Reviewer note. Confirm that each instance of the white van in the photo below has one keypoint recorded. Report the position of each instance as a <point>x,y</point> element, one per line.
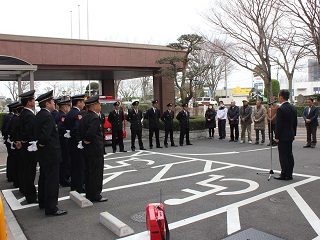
<point>206,101</point>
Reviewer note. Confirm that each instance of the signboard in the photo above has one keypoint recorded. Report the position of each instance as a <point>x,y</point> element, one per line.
<point>241,91</point>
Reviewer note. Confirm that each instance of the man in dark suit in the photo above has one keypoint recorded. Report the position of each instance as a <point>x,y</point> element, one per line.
<point>167,118</point>
<point>116,118</point>
<point>76,157</point>
<point>183,117</point>
<point>14,135</point>
<point>286,127</point>
<point>60,119</point>
<point>49,155</point>
<point>92,141</point>
<point>135,119</point>
<point>310,116</point>
<point>153,114</point>
<point>56,104</point>
<point>6,128</point>
<point>233,117</point>
<point>26,135</point>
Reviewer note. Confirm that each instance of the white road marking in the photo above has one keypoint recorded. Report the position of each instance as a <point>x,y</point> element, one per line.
<point>224,209</point>
<point>162,172</point>
<point>252,186</point>
<point>305,209</point>
<point>114,175</point>
<point>233,220</point>
<point>208,166</point>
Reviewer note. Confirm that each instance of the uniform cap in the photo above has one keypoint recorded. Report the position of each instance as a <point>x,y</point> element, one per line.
<point>154,101</point>
<point>184,105</point>
<point>64,102</point>
<point>135,103</point>
<point>10,105</point>
<point>117,103</point>
<point>28,94</point>
<point>78,97</point>
<point>169,105</point>
<point>57,100</point>
<point>92,100</point>
<point>45,96</point>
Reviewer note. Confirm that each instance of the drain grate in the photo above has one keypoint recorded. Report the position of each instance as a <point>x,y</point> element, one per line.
<point>139,217</point>
<point>252,234</point>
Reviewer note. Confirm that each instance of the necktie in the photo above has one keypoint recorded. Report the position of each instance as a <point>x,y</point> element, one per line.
<point>136,111</point>
<point>309,110</point>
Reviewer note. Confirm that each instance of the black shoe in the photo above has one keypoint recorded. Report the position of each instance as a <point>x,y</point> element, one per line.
<point>123,151</point>
<point>166,145</point>
<point>159,147</point>
<point>57,213</point>
<point>256,143</point>
<point>307,146</point>
<point>231,140</point>
<point>189,144</point>
<point>151,147</point>
<point>32,201</point>
<point>181,144</point>
<point>220,138</point>
<point>173,145</point>
<point>283,178</point>
<point>100,200</point>
<point>133,149</point>
<point>114,151</point>
<point>236,140</point>
<point>313,146</point>
<point>143,148</point>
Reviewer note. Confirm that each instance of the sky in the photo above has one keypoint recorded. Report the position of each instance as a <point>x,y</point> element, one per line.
<point>139,21</point>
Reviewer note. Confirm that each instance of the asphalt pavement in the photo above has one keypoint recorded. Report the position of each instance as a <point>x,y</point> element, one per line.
<point>210,190</point>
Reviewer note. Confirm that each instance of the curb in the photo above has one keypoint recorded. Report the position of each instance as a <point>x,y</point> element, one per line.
<point>14,230</point>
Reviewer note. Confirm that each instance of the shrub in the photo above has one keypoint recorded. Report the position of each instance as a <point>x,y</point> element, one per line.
<point>196,123</point>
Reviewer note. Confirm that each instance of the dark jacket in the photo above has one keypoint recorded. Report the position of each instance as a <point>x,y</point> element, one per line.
<point>14,133</point>
<point>167,118</point>
<point>210,114</point>
<point>5,126</point>
<point>286,125</point>
<point>90,133</point>
<point>183,118</point>
<point>135,119</point>
<point>246,112</point>
<point>26,133</point>
<point>60,119</point>
<point>313,116</point>
<point>116,119</point>
<point>233,113</point>
<point>153,117</point>
<point>46,132</point>
<point>72,123</point>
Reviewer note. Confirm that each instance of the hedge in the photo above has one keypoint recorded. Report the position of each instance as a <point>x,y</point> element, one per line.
<point>196,123</point>
<point>2,116</point>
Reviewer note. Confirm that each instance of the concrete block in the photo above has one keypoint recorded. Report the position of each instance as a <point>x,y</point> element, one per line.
<point>80,200</point>
<point>115,225</point>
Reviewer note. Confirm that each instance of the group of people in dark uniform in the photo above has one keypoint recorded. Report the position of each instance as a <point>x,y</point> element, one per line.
<point>67,144</point>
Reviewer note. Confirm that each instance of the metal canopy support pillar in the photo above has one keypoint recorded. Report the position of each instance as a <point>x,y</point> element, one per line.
<point>31,73</point>
<point>19,85</point>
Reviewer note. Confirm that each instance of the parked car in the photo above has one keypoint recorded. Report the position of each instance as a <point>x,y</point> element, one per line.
<point>206,101</point>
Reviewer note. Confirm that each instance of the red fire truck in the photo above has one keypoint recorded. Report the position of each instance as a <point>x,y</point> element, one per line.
<point>106,103</point>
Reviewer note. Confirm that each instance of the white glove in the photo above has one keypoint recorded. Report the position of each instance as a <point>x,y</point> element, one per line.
<point>11,143</point>
<point>80,145</point>
<point>33,146</point>
<point>67,134</point>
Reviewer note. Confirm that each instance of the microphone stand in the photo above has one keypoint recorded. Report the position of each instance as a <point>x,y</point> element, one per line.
<point>271,145</point>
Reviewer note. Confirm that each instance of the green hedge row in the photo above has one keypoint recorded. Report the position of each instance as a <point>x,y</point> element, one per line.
<point>196,123</point>
<point>2,116</point>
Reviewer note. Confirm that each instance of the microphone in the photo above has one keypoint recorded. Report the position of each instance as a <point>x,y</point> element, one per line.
<point>271,103</point>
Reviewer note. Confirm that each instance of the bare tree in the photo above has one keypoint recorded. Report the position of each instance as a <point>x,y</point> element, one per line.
<point>116,87</point>
<point>146,87</point>
<point>305,17</point>
<point>249,25</point>
<point>290,52</point>
<point>13,88</point>
<point>128,89</point>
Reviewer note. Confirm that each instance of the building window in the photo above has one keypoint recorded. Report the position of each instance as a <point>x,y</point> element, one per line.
<point>316,90</point>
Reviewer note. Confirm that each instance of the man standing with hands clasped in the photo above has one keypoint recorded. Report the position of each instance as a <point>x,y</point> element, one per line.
<point>286,127</point>
<point>310,116</point>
